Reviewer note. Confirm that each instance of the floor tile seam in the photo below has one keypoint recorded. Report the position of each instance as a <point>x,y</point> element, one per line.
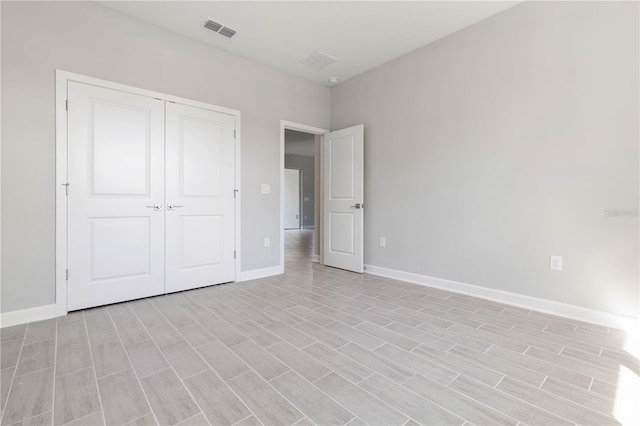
<point>455,370</point>
<point>575,370</point>
<point>206,363</point>
<point>594,364</point>
<point>189,418</point>
<point>54,381</point>
<point>319,390</point>
<point>426,399</point>
<point>561,399</point>
<point>503,394</point>
<point>135,373</point>
<point>79,418</point>
<point>511,364</point>
<point>15,372</point>
<point>93,366</point>
<point>251,370</point>
<point>464,395</point>
<point>595,395</point>
<point>390,331</point>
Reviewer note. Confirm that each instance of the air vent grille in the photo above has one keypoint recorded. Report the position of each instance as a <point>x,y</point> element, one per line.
<point>212,25</point>
<point>219,28</point>
<point>227,32</point>
<point>318,60</point>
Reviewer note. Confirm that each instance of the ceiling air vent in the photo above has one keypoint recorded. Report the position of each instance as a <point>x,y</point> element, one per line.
<point>318,60</point>
<point>227,32</point>
<point>219,28</point>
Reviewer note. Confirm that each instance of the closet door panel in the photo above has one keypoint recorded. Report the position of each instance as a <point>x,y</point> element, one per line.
<point>200,179</point>
<point>116,176</point>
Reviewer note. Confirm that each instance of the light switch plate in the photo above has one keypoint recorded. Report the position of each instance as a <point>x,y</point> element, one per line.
<point>266,188</point>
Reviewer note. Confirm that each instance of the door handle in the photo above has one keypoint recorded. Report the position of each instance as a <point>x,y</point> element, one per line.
<point>173,206</point>
<point>358,206</point>
<point>156,207</point>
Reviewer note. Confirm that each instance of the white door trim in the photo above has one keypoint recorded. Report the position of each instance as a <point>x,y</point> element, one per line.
<point>290,125</point>
<point>62,79</point>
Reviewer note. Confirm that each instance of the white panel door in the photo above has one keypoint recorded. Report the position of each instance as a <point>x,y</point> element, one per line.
<point>200,182</point>
<point>116,176</point>
<point>343,219</point>
<point>291,199</point>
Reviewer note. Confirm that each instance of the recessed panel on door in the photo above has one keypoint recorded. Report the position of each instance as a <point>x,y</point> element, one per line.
<point>341,170</point>
<point>120,136</point>
<point>342,226</point>
<point>200,182</point>
<point>120,247</point>
<point>198,252</point>
<point>116,178</point>
<point>343,203</point>
<point>201,150</point>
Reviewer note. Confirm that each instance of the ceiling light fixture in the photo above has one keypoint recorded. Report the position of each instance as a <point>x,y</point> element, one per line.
<point>333,80</point>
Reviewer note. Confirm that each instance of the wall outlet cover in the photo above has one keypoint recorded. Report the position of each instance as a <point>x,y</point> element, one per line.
<point>266,188</point>
<point>555,263</point>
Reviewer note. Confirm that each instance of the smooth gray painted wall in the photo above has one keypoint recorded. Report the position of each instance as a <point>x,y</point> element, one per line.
<point>89,39</point>
<point>498,146</point>
<point>306,164</point>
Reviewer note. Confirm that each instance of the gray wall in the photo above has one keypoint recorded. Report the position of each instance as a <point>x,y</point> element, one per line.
<point>89,39</point>
<point>504,143</point>
<point>306,164</point>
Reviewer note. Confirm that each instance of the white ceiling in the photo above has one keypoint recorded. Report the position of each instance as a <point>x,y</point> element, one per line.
<point>360,34</point>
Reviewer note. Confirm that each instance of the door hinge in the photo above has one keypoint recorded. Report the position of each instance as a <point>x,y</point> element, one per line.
<point>234,133</point>
<point>66,188</point>
<point>234,254</point>
<point>235,192</point>
<point>67,275</point>
<point>66,104</point>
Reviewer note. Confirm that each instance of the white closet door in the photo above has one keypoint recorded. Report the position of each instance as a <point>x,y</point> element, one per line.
<point>116,176</point>
<point>200,182</point>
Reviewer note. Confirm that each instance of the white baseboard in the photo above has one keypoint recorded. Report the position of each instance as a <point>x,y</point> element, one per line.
<point>579,313</point>
<point>315,258</point>
<point>260,273</point>
<point>24,316</point>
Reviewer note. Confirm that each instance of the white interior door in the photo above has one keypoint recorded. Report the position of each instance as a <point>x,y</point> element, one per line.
<point>200,183</point>
<point>343,200</point>
<point>116,176</point>
<point>291,199</point>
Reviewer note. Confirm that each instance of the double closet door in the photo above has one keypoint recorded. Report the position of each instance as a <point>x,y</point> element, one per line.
<point>151,206</point>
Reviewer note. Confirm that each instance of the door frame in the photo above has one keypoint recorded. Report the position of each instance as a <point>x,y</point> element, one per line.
<point>62,78</point>
<point>290,125</point>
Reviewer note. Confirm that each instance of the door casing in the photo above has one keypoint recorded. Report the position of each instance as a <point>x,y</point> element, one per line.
<point>62,79</point>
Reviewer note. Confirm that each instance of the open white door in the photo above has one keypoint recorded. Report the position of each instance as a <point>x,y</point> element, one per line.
<point>291,199</point>
<point>200,182</point>
<point>343,201</point>
<point>116,196</point>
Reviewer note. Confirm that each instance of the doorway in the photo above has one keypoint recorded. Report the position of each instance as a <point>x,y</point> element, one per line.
<point>300,150</point>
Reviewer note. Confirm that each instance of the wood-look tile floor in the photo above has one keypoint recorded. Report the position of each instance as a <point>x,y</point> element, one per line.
<point>313,346</point>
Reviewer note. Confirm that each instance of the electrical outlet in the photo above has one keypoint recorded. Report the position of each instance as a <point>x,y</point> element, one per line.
<point>555,263</point>
<point>383,242</point>
<point>267,241</point>
<point>266,188</point>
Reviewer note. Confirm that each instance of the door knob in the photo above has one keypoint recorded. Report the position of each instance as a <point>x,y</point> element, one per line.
<point>173,206</point>
<point>156,207</point>
<point>358,206</point>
